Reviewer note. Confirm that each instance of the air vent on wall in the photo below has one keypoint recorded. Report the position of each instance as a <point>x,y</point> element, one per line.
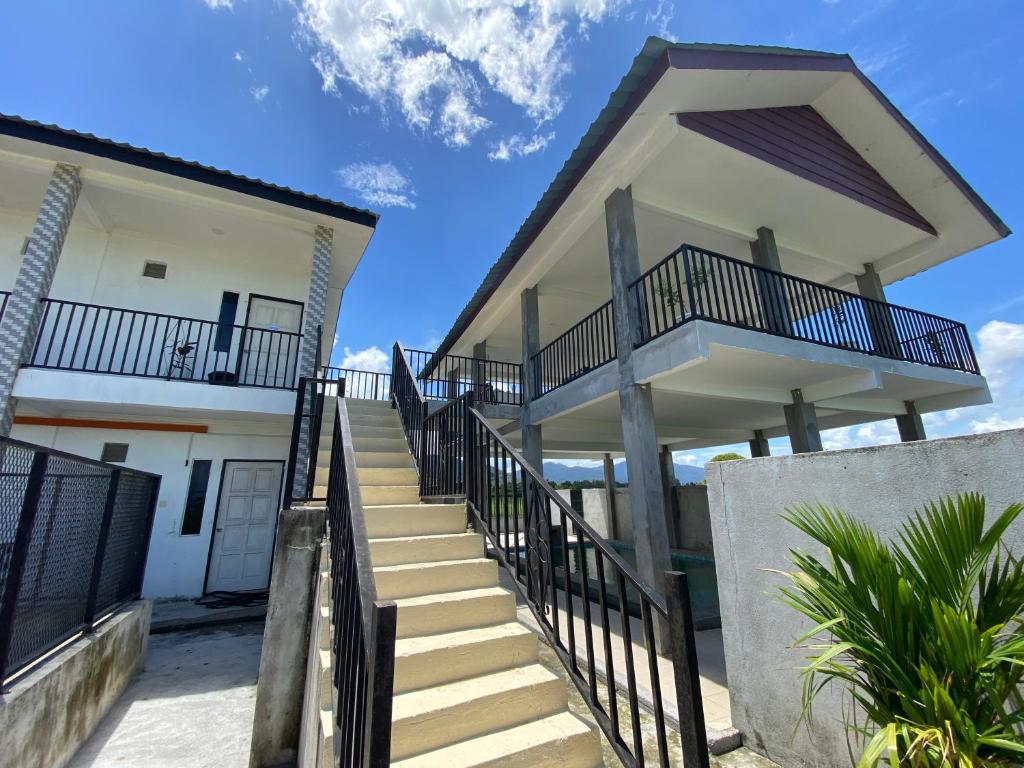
<point>115,452</point>
<point>155,269</point>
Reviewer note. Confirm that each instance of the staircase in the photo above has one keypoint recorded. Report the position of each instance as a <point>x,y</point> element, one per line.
<point>468,688</point>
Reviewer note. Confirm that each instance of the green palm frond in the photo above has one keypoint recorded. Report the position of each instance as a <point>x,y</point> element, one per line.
<point>925,632</point>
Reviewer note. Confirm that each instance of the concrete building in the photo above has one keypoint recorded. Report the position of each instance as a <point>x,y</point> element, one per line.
<point>159,313</point>
<point>709,267</point>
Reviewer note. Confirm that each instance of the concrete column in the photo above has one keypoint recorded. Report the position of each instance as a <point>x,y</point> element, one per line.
<point>309,347</point>
<point>646,487</point>
<point>452,382</point>
<point>533,450</point>
<point>20,325</point>
<point>479,369</point>
<point>770,290</point>
<point>880,322</point>
<point>282,678</point>
<point>668,478</point>
<point>802,425</point>
<point>609,491</point>
<point>759,445</point>
<point>910,425</point>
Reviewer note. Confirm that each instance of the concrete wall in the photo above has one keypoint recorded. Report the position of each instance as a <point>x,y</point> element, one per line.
<point>177,564</point>
<point>51,711</point>
<point>880,485</point>
<point>692,517</point>
<point>316,735</point>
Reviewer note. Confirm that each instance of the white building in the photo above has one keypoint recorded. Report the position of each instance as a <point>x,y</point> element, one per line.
<point>185,304</point>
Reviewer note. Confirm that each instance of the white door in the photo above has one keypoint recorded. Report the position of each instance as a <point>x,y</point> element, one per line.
<point>243,540</point>
<point>269,358</point>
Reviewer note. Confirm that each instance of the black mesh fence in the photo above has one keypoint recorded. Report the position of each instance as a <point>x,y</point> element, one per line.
<point>73,539</point>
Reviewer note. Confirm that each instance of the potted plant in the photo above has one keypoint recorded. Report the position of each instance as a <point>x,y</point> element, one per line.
<point>673,298</point>
<point>924,632</point>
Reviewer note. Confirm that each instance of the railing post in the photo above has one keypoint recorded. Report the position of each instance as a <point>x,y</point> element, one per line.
<point>293,449</point>
<point>101,550</point>
<point>423,440</point>
<point>683,652</point>
<point>316,417</point>
<point>688,276</point>
<point>154,496</point>
<point>19,554</point>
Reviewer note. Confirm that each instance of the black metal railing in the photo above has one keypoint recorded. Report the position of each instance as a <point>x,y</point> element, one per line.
<point>361,385</point>
<point>449,377</point>
<point>307,430</point>
<point>442,464</point>
<point>74,535</point>
<point>554,556</point>
<point>587,345</point>
<point>408,399</point>
<point>98,339</point>
<point>4,296</point>
<point>693,283</point>
<point>362,627</point>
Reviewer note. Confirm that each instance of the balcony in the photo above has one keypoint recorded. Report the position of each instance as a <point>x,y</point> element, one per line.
<point>91,338</point>
<point>696,284</point>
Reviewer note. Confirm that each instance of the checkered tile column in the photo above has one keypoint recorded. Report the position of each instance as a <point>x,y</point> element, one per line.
<point>20,323</point>
<point>309,351</point>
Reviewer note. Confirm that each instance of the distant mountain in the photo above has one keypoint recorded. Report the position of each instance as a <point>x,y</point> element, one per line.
<point>556,472</point>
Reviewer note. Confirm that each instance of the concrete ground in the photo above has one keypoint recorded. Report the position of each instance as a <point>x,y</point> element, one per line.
<point>173,615</point>
<point>192,706</point>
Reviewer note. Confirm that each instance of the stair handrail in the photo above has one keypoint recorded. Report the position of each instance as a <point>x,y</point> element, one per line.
<point>363,627</point>
<point>536,580</point>
<point>408,399</point>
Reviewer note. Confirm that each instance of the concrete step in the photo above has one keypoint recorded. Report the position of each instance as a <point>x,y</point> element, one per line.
<point>557,741</point>
<point>390,521</point>
<point>422,662</point>
<point>438,717</point>
<point>376,430</point>
<point>361,404</point>
<point>451,611</point>
<point>389,494</point>
<point>399,476</point>
<point>426,549</point>
<point>322,473</point>
<point>378,445</point>
<point>383,418</point>
<point>414,579</point>
<point>374,459</point>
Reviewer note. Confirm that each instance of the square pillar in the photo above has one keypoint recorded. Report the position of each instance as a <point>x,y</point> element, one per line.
<point>668,476</point>
<point>479,367</point>
<point>533,450</point>
<point>759,445</point>
<point>648,505</point>
<point>609,492</point>
<point>910,425</point>
<point>878,313</point>
<point>802,425</point>
<point>20,324</point>
<point>771,292</point>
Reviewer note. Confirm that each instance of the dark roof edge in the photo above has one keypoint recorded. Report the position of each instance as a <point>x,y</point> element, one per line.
<point>656,57</point>
<point>87,143</point>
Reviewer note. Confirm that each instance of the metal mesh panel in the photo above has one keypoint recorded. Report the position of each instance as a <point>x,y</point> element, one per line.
<point>126,542</point>
<point>15,462</point>
<point>51,604</point>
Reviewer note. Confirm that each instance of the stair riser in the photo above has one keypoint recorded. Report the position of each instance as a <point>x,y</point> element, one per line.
<point>464,720</point>
<point>375,460</point>
<point>389,494</point>
<point>424,550</point>
<point>416,620</point>
<point>435,579</point>
<point>387,476</point>
<point>377,445</point>
<point>446,665</point>
<point>413,520</point>
<point>389,431</point>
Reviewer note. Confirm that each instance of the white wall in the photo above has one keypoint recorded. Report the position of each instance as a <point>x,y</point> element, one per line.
<point>881,486</point>
<point>177,564</point>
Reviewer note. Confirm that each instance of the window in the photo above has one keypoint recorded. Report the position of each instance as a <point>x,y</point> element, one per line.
<point>195,499</point>
<point>155,269</point>
<point>226,321</point>
<point>114,452</point>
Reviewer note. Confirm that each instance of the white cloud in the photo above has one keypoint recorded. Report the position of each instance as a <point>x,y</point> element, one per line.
<point>1001,352</point>
<point>995,423</point>
<point>429,60</point>
<point>370,359</point>
<point>259,93</point>
<point>518,145</point>
<point>661,16</point>
<point>379,184</point>
<point>218,4</point>
<point>237,56</point>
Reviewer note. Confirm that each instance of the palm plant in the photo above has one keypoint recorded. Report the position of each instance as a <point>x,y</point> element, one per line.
<point>925,632</point>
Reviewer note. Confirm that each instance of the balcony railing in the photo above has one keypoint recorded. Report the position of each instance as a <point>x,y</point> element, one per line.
<point>695,284</point>
<point>361,385</point>
<point>98,339</point>
<point>587,345</point>
<point>4,296</point>
<point>449,377</point>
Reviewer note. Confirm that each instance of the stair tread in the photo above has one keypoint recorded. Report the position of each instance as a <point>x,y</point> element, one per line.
<point>446,597</point>
<point>461,507</point>
<point>432,564</point>
<point>410,646</point>
<point>428,537</point>
<point>518,747</point>
<point>428,700</point>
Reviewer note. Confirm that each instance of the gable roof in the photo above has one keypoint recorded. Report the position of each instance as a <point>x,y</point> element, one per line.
<point>655,58</point>
<point>87,143</point>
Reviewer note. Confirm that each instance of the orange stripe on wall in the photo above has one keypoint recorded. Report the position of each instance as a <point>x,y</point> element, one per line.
<point>145,426</point>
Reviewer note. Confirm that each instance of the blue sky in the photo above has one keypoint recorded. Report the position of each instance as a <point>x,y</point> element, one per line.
<point>451,124</point>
